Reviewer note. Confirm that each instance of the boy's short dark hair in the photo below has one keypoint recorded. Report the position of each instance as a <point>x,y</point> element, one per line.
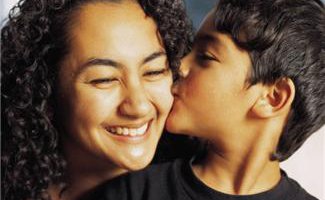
<point>284,38</point>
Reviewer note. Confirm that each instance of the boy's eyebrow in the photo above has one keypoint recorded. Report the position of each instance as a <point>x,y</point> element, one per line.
<point>111,63</point>
<point>206,38</point>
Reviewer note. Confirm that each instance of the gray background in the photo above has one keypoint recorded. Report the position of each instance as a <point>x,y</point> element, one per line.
<point>198,8</point>
<point>307,165</point>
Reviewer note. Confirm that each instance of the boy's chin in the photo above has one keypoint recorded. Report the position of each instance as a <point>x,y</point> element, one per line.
<point>171,122</point>
<point>174,125</point>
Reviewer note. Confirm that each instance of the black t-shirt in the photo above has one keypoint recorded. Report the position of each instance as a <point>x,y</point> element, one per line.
<point>176,181</point>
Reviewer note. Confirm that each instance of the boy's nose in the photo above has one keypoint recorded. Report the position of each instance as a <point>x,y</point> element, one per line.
<point>184,68</point>
<point>182,73</point>
<point>135,104</point>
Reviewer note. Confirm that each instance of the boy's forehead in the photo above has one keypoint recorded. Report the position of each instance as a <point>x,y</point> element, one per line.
<point>207,32</point>
<point>207,24</point>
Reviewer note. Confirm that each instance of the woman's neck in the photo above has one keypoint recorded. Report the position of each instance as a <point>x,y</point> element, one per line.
<point>80,182</point>
<point>84,172</point>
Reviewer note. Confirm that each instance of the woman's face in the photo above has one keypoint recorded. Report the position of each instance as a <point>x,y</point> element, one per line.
<point>114,85</point>
<point>212,99</point>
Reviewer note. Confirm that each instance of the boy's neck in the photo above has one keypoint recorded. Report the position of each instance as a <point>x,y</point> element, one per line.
<point>239,172</point>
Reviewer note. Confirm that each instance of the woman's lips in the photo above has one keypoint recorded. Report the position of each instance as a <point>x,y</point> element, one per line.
<point>130,135</point>
<point>130,132</point>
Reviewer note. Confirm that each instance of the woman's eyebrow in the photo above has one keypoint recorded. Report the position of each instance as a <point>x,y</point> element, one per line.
<point>111,63</point>
<point>92,62</point>
<point>153,56</point>
<point>100,61</point>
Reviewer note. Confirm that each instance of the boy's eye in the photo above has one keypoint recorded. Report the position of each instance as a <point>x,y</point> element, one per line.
<point>206,57</point>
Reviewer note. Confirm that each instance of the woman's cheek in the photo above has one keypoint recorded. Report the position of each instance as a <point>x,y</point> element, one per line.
<point>161,96</point>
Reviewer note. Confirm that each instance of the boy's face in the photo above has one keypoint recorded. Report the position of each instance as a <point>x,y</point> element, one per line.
<point>212,100</point>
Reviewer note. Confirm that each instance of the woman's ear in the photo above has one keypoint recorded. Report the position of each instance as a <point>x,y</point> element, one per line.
<point>275,99</point>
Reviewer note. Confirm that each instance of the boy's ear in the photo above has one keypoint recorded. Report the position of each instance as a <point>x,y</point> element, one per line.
<point>275,99</point>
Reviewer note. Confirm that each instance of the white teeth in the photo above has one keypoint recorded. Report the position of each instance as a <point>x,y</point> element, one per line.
<point>125,131</point>
<point>129,131</point>
<point>142,129</point>
<point>133,132</point>
<point>119,130</point>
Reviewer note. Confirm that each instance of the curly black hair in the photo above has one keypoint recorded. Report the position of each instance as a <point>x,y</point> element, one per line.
<point>33,42</point>
<point>285,39</point>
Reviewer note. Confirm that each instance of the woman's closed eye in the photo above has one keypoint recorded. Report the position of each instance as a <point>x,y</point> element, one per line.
<point>152,74</point>
<point>102,82</point>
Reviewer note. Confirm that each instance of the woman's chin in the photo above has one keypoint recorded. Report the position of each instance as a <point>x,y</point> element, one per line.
<point>137,162</point>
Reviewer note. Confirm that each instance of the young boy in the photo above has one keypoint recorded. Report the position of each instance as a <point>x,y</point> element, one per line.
<point>253,87</point>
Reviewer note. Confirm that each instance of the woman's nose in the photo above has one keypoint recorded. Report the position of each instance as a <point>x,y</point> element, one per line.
<point>136,103</point>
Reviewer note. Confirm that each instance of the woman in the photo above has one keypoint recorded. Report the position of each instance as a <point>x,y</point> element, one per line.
<point>85,91</point>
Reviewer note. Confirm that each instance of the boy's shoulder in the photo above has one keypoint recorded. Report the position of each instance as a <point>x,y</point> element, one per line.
<point>295,190</point>
<point>173,180</point>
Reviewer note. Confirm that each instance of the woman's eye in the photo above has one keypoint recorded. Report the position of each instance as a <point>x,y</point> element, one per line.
<point>156,72</point>
<point>102,81</point>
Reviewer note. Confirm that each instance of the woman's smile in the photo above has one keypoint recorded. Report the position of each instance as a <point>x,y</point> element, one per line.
<point>115,86</point>
<point>133,133</point>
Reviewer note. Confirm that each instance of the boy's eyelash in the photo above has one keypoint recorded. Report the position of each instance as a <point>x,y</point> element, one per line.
<point>204,56</point>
